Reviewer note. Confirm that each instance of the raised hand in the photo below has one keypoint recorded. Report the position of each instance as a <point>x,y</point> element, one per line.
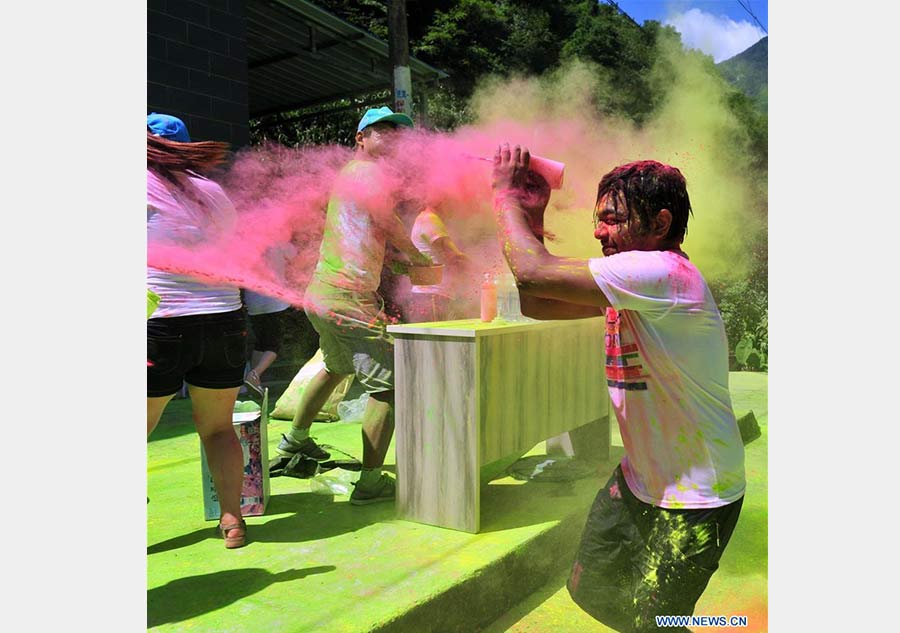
<point>510,167</point>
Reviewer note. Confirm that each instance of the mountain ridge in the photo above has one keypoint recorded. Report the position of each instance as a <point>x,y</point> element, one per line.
<point>749,72</point>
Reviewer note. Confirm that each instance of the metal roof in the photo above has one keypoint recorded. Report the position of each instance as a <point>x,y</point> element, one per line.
<point>299,55</point>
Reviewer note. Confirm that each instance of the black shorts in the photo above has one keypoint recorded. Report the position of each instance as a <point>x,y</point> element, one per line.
<point>637,561</point>
<point>204,350</point>
<point>268,330</point>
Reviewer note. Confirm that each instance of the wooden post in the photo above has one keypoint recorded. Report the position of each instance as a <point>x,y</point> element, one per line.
<point>398,49</point>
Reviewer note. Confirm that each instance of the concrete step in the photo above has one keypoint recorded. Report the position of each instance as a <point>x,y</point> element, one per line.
<point>499,584</point>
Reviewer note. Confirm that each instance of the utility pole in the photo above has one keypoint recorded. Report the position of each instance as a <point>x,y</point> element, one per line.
<point>398,49</point>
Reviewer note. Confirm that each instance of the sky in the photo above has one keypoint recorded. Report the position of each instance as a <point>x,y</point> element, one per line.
<point>720,28</point>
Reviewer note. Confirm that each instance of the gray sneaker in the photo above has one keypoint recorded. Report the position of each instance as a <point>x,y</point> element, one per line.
<point>289,447</point>
<point>384,490</point>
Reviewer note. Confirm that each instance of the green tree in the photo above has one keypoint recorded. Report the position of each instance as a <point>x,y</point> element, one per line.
<point>370,15</point>
<point>626,52</point>
<point>464,40</point>
<point>473,38</point>
<point>743,303</point>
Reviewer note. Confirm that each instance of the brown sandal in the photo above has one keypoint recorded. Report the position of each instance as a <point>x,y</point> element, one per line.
<point>232,542</point>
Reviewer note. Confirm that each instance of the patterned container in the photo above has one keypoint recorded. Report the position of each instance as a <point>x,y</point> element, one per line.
<point>250,428</point>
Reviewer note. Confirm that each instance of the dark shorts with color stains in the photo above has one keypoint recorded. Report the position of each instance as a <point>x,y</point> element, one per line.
<point>204,350</point>
<point>637,561</point>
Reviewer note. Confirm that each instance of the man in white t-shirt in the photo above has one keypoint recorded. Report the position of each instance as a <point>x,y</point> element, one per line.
<point>431,237</point>
<point>656,531</point>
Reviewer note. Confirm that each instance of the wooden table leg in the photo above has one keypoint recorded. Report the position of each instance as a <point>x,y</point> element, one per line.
<point>436,433</point>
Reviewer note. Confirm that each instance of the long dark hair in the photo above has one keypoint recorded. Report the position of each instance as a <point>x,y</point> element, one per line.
<point>647,187</point>
<point>168,158</point>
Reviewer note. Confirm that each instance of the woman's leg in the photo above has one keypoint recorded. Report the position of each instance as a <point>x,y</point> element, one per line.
<point>212,411</point>
<point>155,408</point>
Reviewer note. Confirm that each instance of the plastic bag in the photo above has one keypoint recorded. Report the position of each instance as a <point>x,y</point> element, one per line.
<point>550,469</point>
<point>336,482</point>
<point>246,406</point>
<point>352,410</point>
<point>287,404</point>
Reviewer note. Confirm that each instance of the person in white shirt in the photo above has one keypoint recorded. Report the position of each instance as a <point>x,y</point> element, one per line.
<point>433,302</point>
<point>656,531</point>
<point>198,332</point>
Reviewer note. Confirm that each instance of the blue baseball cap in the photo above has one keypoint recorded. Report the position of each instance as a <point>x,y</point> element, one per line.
<point>168,127</point>
<point>377,115</point>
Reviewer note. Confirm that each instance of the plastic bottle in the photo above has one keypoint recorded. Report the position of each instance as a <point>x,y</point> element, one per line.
<point>505,287</point>
<point>488,298</point>
<point>508,306</point>
<point>501,299</point>
<point>513,306</point>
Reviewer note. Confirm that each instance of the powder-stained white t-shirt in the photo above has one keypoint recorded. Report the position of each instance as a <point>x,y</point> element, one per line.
<point>190,214</point>
<point>426,230</point>
<point>352,252</point>
<point>667,374</point>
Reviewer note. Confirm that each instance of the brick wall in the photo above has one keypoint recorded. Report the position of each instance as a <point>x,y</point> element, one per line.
<point>197,66</point>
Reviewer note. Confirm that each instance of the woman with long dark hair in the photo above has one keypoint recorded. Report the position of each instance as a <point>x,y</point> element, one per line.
<point>198,332</point>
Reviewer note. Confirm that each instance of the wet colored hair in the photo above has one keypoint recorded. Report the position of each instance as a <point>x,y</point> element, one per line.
<point>647,187</point>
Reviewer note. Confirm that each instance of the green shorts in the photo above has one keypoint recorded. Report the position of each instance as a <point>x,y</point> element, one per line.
<point>352,328</point>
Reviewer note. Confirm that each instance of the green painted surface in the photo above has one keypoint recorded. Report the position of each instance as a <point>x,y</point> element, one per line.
<point>315,563</point>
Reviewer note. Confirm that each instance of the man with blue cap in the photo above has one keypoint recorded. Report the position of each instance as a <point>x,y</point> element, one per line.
<point>344,307</point>
<point>383,115</point>
<point>168,126</point>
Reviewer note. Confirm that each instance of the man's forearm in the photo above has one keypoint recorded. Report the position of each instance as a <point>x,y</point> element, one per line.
<point>523,251</point>
<point>551,310</point>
